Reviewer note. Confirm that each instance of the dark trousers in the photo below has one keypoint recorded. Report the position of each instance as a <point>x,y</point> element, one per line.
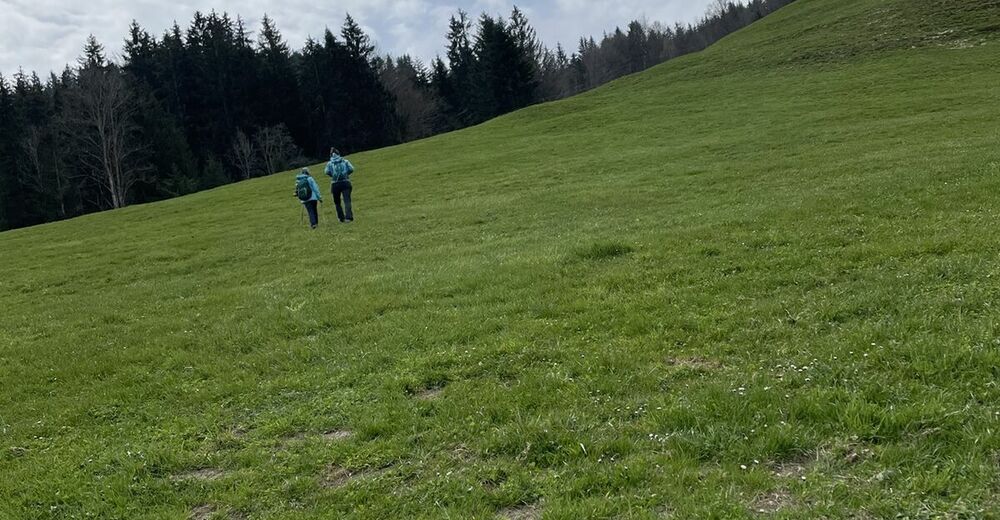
<point>343,189</point>
<point>311,208</point>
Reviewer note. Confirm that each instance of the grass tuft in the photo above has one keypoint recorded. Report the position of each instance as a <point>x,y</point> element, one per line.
<point>604,251</point>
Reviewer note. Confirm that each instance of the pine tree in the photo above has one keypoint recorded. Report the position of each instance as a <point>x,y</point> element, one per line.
<point>140,54</point>
<point>456,88</point>
<point>444,90</point>
<point>311,72</point>
<point>277,97</point>
<point>367,114</point>
<point>358,43</point>
<point>636,48</point>
<point>7,133</point>
<point>32,171</point>
<point>171,63</point>
<point>459,42</point>
<point>505,73</point>
<point>93,54</point>
<point>525,36</point>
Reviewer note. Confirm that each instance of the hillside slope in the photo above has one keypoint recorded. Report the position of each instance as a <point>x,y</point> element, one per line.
<point>757,281</point>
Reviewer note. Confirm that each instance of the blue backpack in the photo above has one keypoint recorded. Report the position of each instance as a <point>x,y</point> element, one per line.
<point>342,171</point>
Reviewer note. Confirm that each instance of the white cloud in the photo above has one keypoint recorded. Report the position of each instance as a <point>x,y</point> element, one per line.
<point>45,35</point>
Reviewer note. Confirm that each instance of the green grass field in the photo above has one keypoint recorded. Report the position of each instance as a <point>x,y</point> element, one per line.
<point>761,281</point>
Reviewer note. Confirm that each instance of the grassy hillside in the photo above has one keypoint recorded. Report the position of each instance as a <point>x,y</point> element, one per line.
<point>758,281</point>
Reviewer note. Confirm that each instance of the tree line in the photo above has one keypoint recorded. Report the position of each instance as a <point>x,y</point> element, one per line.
<point>212,103</point>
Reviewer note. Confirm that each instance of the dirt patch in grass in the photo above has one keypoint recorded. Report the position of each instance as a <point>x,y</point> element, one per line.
<point>795,466</point>
<point>202,512</point>
<point>17,451</point>
<point>335,476</point>
<point>772,502</point>
<point>203,474</point>
<point>699,363</point>
<point>337,435</point>
<point>463,453</point>
<point>206,511</point>
<point>521,512</point>
<point>293,439</point>
<point>428,394</point>
<point>791,470</point>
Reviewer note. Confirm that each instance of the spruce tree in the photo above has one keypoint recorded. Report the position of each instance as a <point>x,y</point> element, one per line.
<point>140,55</point>
<point>505,72</point>
<point>357,43</point>
<point>93,54</point>
<point>7,171</point>
<point>456,88</point>
<point>277,98</point>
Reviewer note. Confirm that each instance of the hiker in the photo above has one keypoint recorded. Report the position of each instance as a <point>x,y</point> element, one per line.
<point>340,170</point>
<point>308,192</point>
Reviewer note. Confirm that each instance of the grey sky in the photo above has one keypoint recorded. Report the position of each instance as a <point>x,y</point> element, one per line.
<point>44,35</point>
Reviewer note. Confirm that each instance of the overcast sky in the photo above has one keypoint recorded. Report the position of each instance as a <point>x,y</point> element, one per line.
<point>44,35</point>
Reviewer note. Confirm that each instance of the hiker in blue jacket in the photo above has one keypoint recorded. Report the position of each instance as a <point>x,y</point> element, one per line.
<point>340,170</point>
<point>308,192</point>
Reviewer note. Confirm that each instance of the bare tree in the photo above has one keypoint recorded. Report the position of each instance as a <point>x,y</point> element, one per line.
<point>31,145</point>
<point>243,155</point>
<point>44,178</point>
<point>276,147</point>
<point>405,79</point>
<point>61,176</point>
<point>101,111</point>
